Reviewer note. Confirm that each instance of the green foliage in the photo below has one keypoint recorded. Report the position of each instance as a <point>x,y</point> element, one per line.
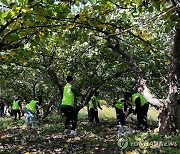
<point>73,39</point>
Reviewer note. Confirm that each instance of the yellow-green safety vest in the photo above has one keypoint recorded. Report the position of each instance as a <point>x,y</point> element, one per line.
<point>119,104</point>
<point>91,106</point>
<point>68,96</point>
<point>15,105</point>
<point>142,98</point>
<point>32,106</point>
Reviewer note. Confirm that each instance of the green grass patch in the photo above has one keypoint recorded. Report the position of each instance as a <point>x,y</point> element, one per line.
<point>105,114</point>
<point>48,136</point>
<point>153,114</point>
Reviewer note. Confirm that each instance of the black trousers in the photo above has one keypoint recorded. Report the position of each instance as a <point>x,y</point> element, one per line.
<point>142,117</point>
<point>120,116</point>
<point>71,115</point>
<point>2,113</point>
<point>94,115</point>
<point>15,112</point>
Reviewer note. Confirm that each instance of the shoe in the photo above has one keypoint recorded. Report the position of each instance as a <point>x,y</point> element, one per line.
<point>72,133</point>
<point>65,131</point>
<point>121,127</point>
<point>137,131</point>
<point>32,127</point>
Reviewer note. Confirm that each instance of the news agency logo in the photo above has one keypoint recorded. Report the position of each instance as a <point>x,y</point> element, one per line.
<point>123,144</point>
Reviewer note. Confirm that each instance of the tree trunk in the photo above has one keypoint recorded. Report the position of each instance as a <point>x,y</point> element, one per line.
<point>88,111</point>
<point>169,118</point>
<point>55,80</point>
<point>141,82</point>
<point>34,90</point>
<point>152,99</point>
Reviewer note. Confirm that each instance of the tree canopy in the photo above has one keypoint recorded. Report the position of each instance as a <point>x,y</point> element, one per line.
<point>105,44</point>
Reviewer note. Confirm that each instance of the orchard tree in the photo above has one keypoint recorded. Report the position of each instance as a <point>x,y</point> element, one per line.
<point>101,43</point>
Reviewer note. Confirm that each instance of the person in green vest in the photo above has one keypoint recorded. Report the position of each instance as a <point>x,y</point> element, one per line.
<point>30,110</point>
<point>16,106</point>
<point>141,109</point>
<point>119,107</point>
<point>68,105</point>
<point>93,108</point>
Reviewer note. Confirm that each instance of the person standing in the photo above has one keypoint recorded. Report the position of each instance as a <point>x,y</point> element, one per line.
<point>30,110</point>
<point>16,108</point>
<point>1,109</point>
<point>141,109</point>
<point>119,107</point>
<point>9,111</point>
<point>68,105</point>
<point>93,108</point>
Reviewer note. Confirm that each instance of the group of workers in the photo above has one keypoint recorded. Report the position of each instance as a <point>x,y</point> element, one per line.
<point>133,103</point>
<point>16,110</point>
<point>29,111</point>
<point>130,103</point>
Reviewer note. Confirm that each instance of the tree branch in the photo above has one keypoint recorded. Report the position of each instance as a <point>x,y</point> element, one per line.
<point>177,4</point>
